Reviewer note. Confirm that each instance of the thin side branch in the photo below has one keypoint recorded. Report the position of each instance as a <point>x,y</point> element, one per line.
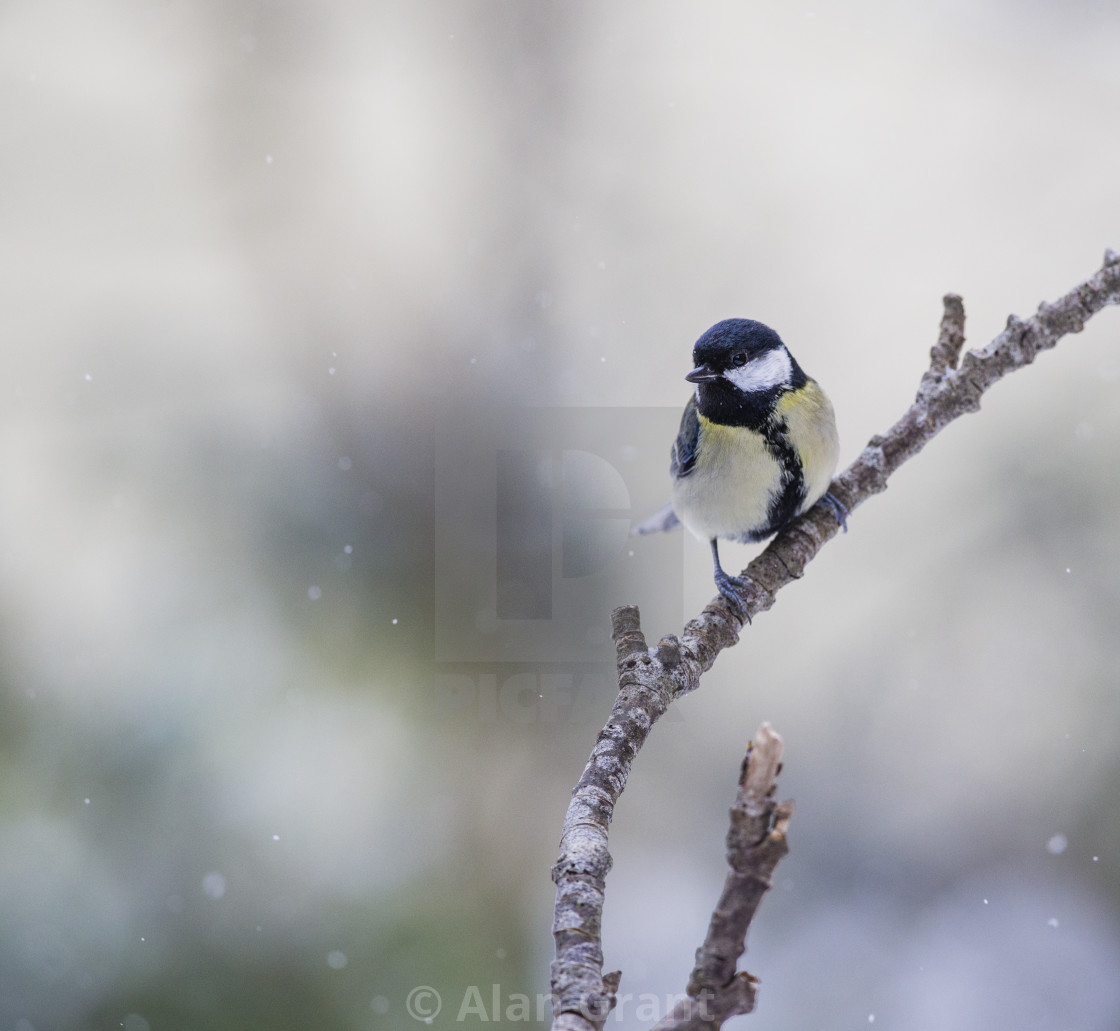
<point>950,340</point>
<point>650,680</point>
<point>756,843</point>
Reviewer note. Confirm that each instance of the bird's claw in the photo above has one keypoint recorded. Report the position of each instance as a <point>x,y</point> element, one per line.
<point>733,588</point>
<point>839,510</point>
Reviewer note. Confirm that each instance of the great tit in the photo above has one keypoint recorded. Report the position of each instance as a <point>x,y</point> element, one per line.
<point>757,444</point>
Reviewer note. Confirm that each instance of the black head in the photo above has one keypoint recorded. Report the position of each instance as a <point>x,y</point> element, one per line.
<point>733,343</point>
<point>742,368</point>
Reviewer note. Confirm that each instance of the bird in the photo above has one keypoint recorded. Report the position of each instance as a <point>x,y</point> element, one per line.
<point>757,445</point>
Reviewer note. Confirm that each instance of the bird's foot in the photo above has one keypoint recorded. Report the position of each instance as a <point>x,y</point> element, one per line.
<point>734,589</point>
<point>838,509</point>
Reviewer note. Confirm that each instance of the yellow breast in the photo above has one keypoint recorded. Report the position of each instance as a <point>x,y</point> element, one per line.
<point>812,431</point>
<point>728,493</point>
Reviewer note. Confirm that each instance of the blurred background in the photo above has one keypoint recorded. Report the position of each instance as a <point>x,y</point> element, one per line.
<point>284,283</point>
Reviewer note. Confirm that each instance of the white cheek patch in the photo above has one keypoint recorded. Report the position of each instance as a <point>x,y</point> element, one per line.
<point>773,369</point>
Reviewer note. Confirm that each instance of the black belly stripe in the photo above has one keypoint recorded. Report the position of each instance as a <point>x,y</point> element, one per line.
<point>783,506</point>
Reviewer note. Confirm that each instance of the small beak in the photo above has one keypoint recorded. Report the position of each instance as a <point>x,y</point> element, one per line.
<point>700,374</point>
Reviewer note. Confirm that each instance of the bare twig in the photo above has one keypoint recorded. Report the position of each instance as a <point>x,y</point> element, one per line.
<point>950,340</point>
<point>648,682</point>
<point>756,843</point>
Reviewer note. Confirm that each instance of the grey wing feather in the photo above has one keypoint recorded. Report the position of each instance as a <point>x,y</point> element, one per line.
<point>663,519</point>
<point>683,456</point>
<point>681,460</point>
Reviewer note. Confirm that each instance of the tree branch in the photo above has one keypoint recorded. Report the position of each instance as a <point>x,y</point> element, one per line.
<point>650,679</point>
<point>756,843</point>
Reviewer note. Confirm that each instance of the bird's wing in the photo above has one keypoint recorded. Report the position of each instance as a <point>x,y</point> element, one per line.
<point>663,519</point>
<point>681,460</point>
<point>683,456</point>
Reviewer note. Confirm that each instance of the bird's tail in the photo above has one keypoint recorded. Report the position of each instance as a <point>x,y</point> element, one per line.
<point>663,519</point>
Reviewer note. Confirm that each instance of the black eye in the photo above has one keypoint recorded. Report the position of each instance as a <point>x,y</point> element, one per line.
<point>739,360</point>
